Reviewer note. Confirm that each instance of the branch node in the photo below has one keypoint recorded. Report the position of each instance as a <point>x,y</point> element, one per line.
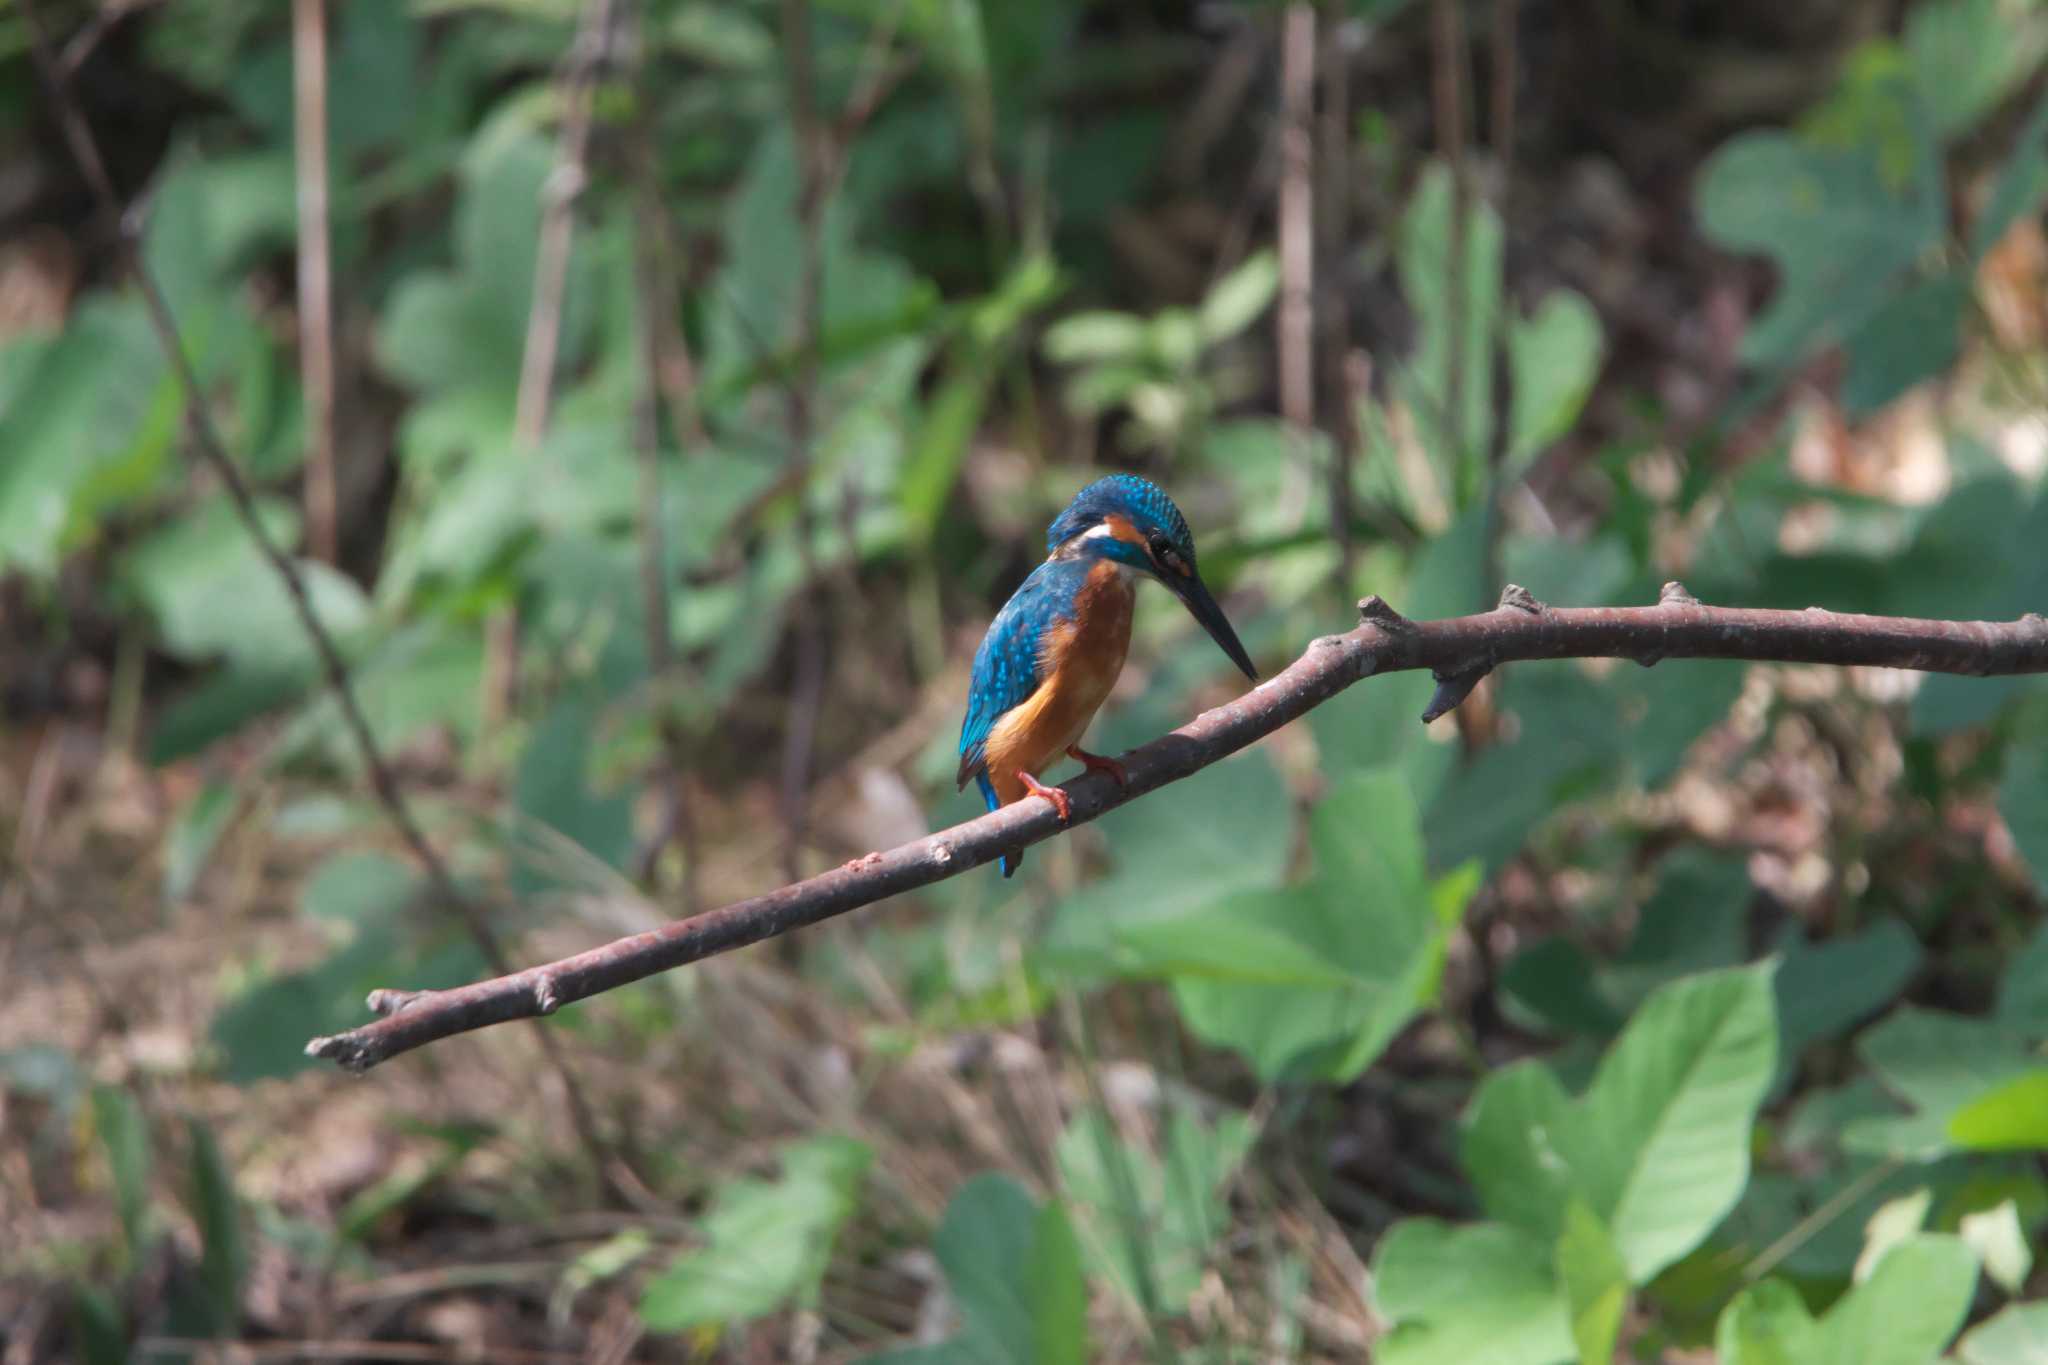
<point>1374,611</point>
<point>1518,598</point>
<point>942,855</point>
<point>383,1002</point>
<point>1675,595</point>
<point>346,1050</point>
<point>1450,690</point>
<point>544,997</point>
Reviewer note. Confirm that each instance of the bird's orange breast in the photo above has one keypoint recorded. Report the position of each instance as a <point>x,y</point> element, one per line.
<point>1080,660</point>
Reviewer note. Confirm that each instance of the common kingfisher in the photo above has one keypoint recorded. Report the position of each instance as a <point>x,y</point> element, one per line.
<point>1055,649</point>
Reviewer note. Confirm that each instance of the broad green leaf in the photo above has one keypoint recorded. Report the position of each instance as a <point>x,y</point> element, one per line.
<point>1826,987</point>
<point>1554,356</point>
<point>1938,1064</point>
<point>1838,223</point>
<point>1316,979</point>
<point>1767,1324</point>
<point>1479,1294</point>
<point>766,1242</point>
<point>1595,1284</point>
<point>2012,1117</point>
<point>1229,829</point>
<point>1964,55</point>
<point>2000,1242</point>
<point>1913,336</point>
<point>2017,1336</point>
<point>1014,1268</point>
<point>1658,1147</point>
<point>193,836</point>
<point>1904,1314</point>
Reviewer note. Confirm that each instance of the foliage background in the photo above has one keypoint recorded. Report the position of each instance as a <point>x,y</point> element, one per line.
<point>1692,1013</point>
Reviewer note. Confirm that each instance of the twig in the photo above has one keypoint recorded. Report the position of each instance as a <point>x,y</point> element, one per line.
<point>565,184</point>
<point>654,308</point>
<point>1333,248</point>
<point>1295,318</point>
<point>1457,651</point>
<point>1447,48</point>
<point>807,693</point>
<point>212,452</point>
<point>316,291</point>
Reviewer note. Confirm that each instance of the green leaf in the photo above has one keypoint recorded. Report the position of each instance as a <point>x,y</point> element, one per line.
<point>2000,1242</point>
<point>1234,302</point>
<point>1904,1314</point>
<point>1896,1220</point>
<point>194,833</point>
<point>1457,442</point>
<point>1938,1064</point>
<point>1913,336</point>
<point>1595,1284</point>
<point>553,790</point>
<point>1083,337</point>
<point>357,888</point>
<point>1964,55</point>
<point>2023,993</point>
<point>1481,1294</point>
<point>1824,988</point>
<point>766,1242</point>
<point>1554,356</point>
<point>1015,1270</point>
<point>2021,185</point>
<point>96,1321</point>
<point>2012,1117</point>
<point>1146,1221</point>
<point>1331,970</point>
<point>2023,801</point>
<point>124,1137</point>
<point>2017,1336</point>
<point>1658,1146</point>
<point>223,1258</point>
<point>1839,224</point>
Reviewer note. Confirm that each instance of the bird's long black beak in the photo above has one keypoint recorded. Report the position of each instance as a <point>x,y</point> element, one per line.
<point>1203,607</point>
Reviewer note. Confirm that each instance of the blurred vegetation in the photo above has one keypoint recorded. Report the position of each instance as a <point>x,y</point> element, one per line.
<point>1656,1015</point>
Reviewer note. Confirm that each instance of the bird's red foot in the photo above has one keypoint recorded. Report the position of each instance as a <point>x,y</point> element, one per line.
<point>1096,763</point>
<point>1061,802</point>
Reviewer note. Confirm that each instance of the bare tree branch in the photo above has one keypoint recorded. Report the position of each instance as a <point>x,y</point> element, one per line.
<point>1458,651</point>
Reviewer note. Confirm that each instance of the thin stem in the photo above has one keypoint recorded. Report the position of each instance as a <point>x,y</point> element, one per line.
<point>316,293</point>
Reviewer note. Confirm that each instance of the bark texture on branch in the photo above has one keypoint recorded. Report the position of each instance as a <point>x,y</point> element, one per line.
<point>1458,651</point>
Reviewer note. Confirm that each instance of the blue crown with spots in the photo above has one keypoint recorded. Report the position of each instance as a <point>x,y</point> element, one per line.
<point>1140,501</point>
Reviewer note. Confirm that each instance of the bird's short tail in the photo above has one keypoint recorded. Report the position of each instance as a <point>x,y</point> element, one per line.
<point>1015,857</point>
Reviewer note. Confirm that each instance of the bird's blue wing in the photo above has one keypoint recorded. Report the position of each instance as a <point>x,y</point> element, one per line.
<point>1007,666</point>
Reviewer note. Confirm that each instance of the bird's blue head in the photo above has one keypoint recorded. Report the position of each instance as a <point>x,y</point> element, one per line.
<point>1131,521</point>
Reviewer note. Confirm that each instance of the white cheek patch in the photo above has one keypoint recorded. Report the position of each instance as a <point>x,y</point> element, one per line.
<point>1097,531</point>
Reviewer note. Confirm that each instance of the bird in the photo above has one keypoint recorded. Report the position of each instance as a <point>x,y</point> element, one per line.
<point>1054,651</point>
